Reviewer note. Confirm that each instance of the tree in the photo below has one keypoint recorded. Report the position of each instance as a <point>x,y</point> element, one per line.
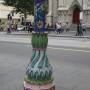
<point>25,6</point>
<point>22,6</point>
<point>45,6</point>
<point>9,2</point>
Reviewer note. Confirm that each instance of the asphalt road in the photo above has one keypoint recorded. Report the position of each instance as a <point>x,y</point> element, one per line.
<point>71,66</point>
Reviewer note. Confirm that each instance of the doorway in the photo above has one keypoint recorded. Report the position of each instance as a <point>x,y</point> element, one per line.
<point>76,16</point>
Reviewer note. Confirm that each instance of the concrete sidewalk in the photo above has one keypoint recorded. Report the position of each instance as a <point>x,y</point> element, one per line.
<point>70,34</point>
<point>53,41</point>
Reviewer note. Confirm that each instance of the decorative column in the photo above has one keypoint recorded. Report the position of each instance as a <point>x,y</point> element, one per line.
<point>39,71</point>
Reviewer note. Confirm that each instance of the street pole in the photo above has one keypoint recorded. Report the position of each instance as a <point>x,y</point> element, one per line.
<point>39,71</point>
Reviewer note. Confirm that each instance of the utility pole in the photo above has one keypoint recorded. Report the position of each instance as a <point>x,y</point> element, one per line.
<point>39,71</point>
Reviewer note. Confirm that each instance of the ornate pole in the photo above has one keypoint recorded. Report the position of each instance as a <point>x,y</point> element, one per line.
<point>39,71</point>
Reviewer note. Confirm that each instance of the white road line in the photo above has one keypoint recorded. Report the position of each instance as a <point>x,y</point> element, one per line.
<point>75,50</point>
<point>64,49</point>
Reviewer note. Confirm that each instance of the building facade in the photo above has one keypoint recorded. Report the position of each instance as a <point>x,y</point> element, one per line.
<point>68,11</point>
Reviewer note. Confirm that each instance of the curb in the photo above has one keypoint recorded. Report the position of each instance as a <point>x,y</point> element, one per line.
<point>66,36</point>
<point>88,37</point>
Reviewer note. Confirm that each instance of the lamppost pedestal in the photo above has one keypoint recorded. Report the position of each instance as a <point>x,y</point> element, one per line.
<point>39,72</point>
<point>27,86</point>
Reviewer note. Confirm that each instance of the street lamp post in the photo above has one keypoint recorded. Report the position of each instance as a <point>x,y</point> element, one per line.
<point>39,71</point>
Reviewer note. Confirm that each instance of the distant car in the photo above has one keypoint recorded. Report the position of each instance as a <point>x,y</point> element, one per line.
<point>21,28</point>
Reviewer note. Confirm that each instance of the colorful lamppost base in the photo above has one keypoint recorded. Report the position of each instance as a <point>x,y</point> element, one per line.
<point>38,87</point>
<point>39,71</point>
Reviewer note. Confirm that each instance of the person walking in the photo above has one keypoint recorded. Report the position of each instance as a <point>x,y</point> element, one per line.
<point>29,28</point>
<point>58,26</point>
<point>19,25</point>
<point>79,30</point>
<point>84,28</point>
<point>67,27</point>
<point>9,24</point>
<point>0,24</point>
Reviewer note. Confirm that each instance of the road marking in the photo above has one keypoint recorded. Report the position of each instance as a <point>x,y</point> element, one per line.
<point>75,50</point>
<point>64,49</point>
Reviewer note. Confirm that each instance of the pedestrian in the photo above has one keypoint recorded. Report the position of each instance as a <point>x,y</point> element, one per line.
<point>29,28</point>
<point>8,29</point>
<point>55,27</point>
<point>9,24</point>
<point>0,24</point>
<point>47,27</point>
<point>19,25</point>
<point>81,29</point>
<point>58,28</point>
<point>67,27</point>
<point>15,27</point>
<point>84,28</point>
<point>77,32</point>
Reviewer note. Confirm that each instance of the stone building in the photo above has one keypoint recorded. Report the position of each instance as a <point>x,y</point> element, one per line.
<point>69,11</point>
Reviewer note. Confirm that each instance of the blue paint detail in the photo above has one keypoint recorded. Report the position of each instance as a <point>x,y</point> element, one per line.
<point>38,1</point>
<point>39,17</point>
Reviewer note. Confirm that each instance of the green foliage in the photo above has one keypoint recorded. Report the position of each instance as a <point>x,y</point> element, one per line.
<point>45,6</point>
<point>25,6</point>
<point>10,2</point>
<point>22,6</point>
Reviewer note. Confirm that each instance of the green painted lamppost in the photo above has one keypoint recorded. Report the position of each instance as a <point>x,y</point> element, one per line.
<point>39,71</point>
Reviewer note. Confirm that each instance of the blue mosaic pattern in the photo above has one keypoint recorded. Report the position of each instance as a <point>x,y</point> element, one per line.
<point>39,17</point>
